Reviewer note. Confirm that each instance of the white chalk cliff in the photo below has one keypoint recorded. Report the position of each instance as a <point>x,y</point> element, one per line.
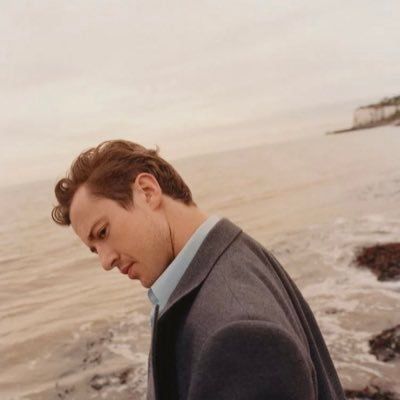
<point>385,112</point>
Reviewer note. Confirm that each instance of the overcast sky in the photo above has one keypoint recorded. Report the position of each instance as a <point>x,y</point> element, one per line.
<point>190,76</point>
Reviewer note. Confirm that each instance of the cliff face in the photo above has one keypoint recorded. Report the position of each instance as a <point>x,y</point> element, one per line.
<point>385,112</point>
<point>364,116</point>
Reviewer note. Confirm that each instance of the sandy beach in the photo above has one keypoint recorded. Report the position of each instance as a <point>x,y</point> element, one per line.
<point>72,331</point>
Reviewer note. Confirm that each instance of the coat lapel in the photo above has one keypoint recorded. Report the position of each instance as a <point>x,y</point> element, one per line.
<point>162,369</point>
<point>215,243</point>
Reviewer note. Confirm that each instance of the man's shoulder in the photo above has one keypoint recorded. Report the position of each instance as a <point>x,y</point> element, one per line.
<point>246,260</point>
<point>243,283</point>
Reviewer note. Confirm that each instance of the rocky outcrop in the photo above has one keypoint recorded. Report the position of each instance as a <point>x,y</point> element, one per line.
<point>382,259</point>
<point>386,345</point>
<point>372,392</point>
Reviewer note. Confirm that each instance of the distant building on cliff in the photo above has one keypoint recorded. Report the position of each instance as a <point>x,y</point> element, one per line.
<point>387,110</point>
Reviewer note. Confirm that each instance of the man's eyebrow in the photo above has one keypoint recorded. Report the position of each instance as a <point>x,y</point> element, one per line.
<point>90,236</point>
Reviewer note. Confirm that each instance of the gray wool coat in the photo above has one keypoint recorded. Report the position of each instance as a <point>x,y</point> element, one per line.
<point>236,327</point>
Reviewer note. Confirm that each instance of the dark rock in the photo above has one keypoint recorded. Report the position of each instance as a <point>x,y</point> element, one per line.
<point>382,259</point>
<point>332,310</point>
<point>370,393</point>
<point>94,349</point>
<point>98,382</point>
<point>63,393</point>
<point>386,345</point>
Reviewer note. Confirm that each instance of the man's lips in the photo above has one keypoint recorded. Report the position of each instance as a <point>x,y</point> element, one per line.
<point>124,270</point>
<point>131,272</point>
<point>128,270</point>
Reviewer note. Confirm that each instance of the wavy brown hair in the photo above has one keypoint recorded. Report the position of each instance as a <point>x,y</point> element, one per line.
<point>109,169</point>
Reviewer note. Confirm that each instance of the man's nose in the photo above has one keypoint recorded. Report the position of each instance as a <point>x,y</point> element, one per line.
<point>107,258</point>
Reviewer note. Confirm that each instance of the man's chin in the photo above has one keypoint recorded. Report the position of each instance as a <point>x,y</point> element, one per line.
<point>146,285</point>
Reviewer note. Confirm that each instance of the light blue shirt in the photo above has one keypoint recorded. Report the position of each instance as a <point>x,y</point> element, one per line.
<point>163,287</point>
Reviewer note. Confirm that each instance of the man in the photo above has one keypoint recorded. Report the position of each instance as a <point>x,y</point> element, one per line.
<point>228,321</point>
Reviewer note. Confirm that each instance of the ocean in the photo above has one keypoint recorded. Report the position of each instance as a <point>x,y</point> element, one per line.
<point>70,330</point>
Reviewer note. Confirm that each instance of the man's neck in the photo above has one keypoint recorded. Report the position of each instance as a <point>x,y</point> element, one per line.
<point>183,221</point>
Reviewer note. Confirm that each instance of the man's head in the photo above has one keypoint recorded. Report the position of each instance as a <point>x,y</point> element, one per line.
<point>117,197</point>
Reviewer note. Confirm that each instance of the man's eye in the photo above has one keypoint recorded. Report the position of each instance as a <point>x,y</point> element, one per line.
<point>102,233</point>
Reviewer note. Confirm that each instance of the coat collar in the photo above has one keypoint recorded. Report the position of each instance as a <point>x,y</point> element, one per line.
<point>218,239</point>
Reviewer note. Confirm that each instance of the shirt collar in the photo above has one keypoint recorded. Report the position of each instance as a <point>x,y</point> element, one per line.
<point>163,287</point>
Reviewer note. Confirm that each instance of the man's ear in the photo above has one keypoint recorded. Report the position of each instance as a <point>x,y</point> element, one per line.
<point>148,185</point>
<point>146,182</point>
